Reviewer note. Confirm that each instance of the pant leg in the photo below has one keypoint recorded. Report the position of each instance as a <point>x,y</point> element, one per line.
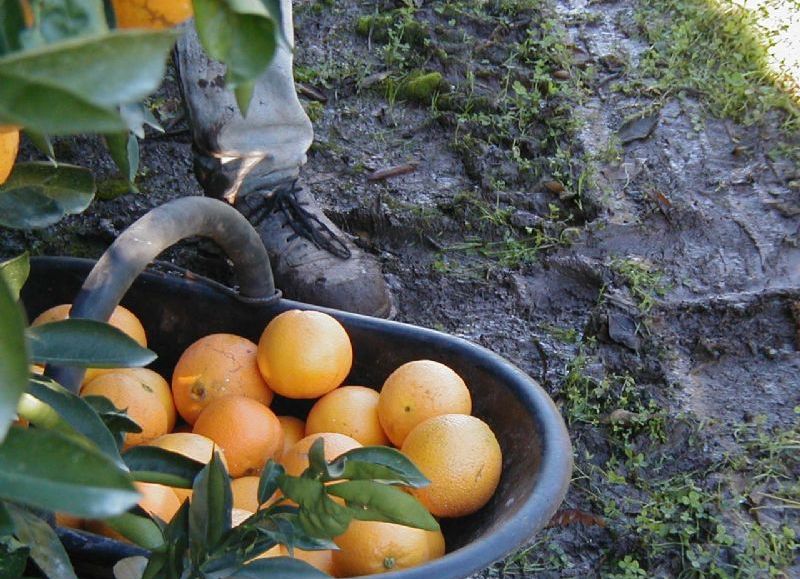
<point>244,153</point>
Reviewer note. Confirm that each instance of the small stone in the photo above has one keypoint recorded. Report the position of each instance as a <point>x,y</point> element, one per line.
<point>561,74</point>
<point>554,186</point>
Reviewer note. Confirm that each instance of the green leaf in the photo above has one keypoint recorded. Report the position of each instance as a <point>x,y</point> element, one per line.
<point>268,483</point>
<point>124,149</point>
<point>285,529</point>
<point>6,523</point>
<point>11,23</point>
<point>244,94</point>
<point>117,421</point>
<point>319,515</point>
<point>373,501</point>
<point>283,567</point>
<point>141,530</point>
<point>75,86</point>
<point>273,8</point>
<point>210,510</point>
<point>381,463</point>
<point>87,344</point>
<point>14,361</point>
<point>49,470</point>
<point>40,194</point>
<point>13,558</point>
<point>43,143</point>
<point>15,272</point>
<point>63,19</point>
<point>317,465</point>
<point>46,549</point>
<point>76,412</point>
<point>136,116</point>
<point>176,537</point>
<point>157,465</point>
<point>239,33</point>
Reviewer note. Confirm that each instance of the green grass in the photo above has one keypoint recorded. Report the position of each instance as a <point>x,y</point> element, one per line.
<point>716,49</point>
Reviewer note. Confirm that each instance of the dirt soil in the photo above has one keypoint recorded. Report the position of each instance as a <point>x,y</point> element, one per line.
<point>630,249</point>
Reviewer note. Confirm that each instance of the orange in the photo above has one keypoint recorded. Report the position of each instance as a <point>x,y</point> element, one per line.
<point>295,461</point>
<point>121,318</point>
<point>213,367</point>
<point>417,391</point>
<point>304,354</point>
<point>370,547</point>
<point>66,520</point>
<point>143,405</point>
<point>322,560</point>
<point>195,446</point>
<point>153,14</point>
<point>350,410</point>
<point>154,383</point>
<point>246,430</point>
<point>293,430</point>
<point>245,493</point>
<point>461,457</point>
<point>157,500</point>
<point>9,146</point>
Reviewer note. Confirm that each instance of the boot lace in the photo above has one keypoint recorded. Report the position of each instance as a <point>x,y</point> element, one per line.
<point>303,222</point>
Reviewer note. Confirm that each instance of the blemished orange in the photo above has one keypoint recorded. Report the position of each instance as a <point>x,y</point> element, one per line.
<point>371,547</point>
<point>9,146</point>
<point>143,405</point>
<point>194,446</point>
<point>121,318</point>
<point>213,367</point>
<point>417,391</point>
<point>304,354</point>
<point>245,429</point>
<point>160,389</point>
<point>293,430</point>
<point>461,457</point>
<point>350,410</point>
<point>152,14</point>
<point>295,461</point>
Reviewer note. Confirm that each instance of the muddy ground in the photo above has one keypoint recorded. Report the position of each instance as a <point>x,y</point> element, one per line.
<point>615,236</point>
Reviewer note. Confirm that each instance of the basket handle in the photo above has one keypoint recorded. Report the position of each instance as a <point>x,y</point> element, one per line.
<point>151,234</point>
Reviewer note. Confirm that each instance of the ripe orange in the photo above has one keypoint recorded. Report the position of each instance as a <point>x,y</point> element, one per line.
<point>9,146</point>
<point>143,405</point>
<point>157,500</point>
<point>246,430</point>
<point>295,461</point>
<point>195,446</point>
<point>293,430</point>
<point>350,410</point>
<point>417,391</point>
<point>460,455</point>
<point>66,520</point>
<point>304,354</point>
<point>213,367</point>
<point>153,14</point>
<point>245,493</point>
<point>322,560</point>
<point>369,547</point>
<point>121,318</point>
<point>152,381</point>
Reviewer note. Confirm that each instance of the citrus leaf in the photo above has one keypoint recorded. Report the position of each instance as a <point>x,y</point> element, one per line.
<point>286,530</point>
<point>46,549</point>
<point>141,530</point>
<point>176,537</point>
<point>6,522</point>
<point>13,557</point>
<point>49,470</point>
<point>268,483</point>
<point>210,509</point>
<point>15,272</point>
<point>157,465</point>
<point>43,143</point>
<point>317,465</point>
<point>86,343</point>
<point>284,567</point>
<point>239,33</point>
<point>62,19</point>
<point>319,515</point>
<point>40,194</point>
<point>373,501</point>
<point>13,358</point>
<point>124,149</point>
<point>382,463</point>
<point>273,8</point>
<point>11,23</point>
<point>87,78</point>
<point>77,413</point>
<point>117,421</point>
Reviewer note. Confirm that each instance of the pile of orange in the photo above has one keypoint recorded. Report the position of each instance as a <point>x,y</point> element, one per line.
<point>222,387</point>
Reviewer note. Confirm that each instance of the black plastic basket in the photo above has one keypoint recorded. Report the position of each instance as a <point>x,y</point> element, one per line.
<point>178,309</point>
